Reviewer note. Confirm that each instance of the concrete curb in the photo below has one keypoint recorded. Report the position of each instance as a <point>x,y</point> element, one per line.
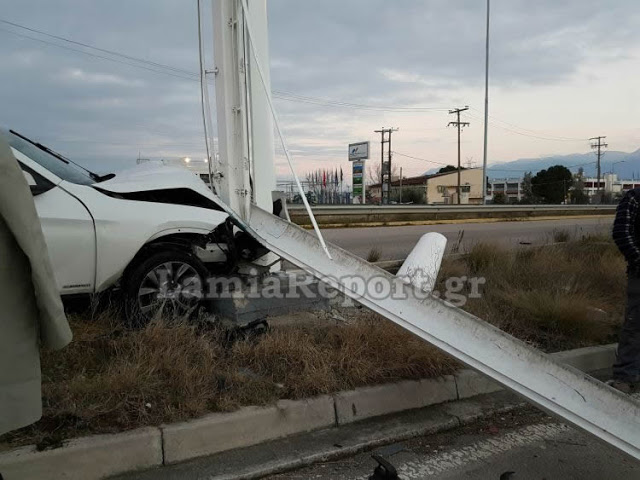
<point>589,359</point>
<point>100,456</point>
<point>248,426</point>
<point>367,402</point>
<point>86,458</point>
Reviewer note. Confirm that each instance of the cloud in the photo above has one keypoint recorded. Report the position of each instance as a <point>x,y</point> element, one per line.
<point>551,65</point>
<point>77,76</point>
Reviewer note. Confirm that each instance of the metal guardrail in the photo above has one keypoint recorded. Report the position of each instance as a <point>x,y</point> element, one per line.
<point>399,209</point>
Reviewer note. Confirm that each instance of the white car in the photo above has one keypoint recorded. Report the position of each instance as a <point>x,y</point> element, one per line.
<point>156,231</point>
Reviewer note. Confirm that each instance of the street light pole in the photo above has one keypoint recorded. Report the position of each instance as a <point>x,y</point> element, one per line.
<point>486,112</point>
<point>614,164</point>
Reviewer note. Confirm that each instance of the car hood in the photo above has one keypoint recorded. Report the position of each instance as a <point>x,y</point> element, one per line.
<point>143,178</point>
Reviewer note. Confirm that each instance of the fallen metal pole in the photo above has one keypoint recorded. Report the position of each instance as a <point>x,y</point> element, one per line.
<point>559,389</point>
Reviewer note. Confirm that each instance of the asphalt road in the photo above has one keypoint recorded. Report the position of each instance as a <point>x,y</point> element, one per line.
<point>527,443</point>
<point>396,242</point>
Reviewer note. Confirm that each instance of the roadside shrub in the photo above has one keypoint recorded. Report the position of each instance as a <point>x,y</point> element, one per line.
<point>373,255</point>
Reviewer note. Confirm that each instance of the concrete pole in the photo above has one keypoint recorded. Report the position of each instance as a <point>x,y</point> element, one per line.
<point>232,184</point>
<point>262,142</point>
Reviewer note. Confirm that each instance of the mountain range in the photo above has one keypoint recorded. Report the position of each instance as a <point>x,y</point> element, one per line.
<point>628,168</point>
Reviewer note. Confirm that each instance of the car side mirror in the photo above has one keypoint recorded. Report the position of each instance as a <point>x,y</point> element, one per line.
<point>30,180</point>
<point>33,185</point>
<point>39,189</point>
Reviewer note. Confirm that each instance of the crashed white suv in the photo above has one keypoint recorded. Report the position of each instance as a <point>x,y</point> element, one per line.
<point>156,231</point>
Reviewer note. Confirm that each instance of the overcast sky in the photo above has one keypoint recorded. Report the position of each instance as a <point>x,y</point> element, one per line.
<point>561,71</point>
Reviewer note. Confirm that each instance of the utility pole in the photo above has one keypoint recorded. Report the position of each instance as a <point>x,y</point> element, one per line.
<point>400,185</point>
<point>598,145</point>
<point>385,167</point>
<point>459,124</point>
<point>486,112</point>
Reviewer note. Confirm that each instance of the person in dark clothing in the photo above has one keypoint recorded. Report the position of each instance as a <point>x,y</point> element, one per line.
<point>626,235</point>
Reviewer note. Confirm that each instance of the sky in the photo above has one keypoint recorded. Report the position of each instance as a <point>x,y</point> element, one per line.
<point>560,72</point>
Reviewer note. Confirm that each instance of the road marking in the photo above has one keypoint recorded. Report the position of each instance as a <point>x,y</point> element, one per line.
<point>482,450</point>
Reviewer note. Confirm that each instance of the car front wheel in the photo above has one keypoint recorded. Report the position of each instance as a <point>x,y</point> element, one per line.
<point>164,285</point>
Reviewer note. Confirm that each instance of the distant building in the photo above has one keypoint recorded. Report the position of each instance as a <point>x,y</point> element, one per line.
<point>436,189</point>
<point>510,187</point>
<point>609,183</point>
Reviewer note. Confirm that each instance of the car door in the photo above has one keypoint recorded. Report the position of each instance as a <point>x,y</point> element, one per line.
<point>68,231</point>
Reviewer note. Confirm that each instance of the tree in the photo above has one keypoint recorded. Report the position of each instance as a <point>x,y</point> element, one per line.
<point>374,173</point>
<point>499,198</point>
<point>450,168</point>
<point>552,184</point>
<point>577,194</point>
<point>415,195</point>
<point>527,190</point>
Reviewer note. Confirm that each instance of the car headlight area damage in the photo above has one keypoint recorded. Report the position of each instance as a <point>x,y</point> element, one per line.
<point>156,231</point>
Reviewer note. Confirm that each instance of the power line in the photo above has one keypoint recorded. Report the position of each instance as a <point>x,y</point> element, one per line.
<point>166,69</point>
<point>97,56</point>
<point>532,135</point>
<point>328,102</point>
<point>534,132</point>
<point>418,158</point>
<point>93,47</point>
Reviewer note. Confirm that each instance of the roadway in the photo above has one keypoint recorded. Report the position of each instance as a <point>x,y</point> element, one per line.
<point>396,242</point>
<point>521,445</point>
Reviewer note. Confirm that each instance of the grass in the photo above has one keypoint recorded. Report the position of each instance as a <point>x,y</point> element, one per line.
<point>109,379</point>
<point>560,236</point>
<point>556,297</point>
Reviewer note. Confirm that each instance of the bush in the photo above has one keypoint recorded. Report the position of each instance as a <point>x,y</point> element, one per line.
<point>373,255</point>
<point>499,198</point>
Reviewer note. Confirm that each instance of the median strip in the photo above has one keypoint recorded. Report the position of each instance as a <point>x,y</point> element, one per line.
<point>99,456</point>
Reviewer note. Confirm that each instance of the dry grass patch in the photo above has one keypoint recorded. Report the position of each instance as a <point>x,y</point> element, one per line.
<point>110,379</point>
<point>556,297</point>
<point>315,360</point>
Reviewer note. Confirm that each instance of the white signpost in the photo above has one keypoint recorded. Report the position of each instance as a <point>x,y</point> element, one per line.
<point>358,153</point>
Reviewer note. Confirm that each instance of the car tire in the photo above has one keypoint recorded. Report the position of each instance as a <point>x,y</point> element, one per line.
<point>166,284</point>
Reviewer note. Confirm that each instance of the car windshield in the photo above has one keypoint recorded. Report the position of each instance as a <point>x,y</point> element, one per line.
<point>64,169</point>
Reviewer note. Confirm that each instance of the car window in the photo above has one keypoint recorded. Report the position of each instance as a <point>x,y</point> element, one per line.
<point>65,171</point>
